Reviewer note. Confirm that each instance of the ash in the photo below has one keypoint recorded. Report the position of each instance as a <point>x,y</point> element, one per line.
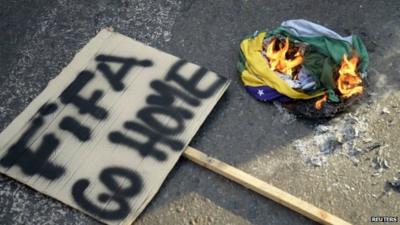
<point>286,117</point>
<point>342,135</point>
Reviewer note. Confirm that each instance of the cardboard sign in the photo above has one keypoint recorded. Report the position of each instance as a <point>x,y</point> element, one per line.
<point>105,133</point>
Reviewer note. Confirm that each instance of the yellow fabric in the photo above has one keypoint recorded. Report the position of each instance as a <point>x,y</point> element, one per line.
<point>258,74</point>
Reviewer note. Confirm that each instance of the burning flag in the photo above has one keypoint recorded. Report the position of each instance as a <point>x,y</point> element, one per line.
<point>320,103</point>
<point>301,62</point>
<point>349,82</point>
<point>280,60</point>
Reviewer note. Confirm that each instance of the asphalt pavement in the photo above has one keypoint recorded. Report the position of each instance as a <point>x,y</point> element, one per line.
<point>40,37</point>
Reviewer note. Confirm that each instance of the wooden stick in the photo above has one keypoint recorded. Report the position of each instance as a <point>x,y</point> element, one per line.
<point>263,188</point>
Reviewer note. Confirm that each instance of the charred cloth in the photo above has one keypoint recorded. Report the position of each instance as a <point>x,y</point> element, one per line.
<point>308,68</point>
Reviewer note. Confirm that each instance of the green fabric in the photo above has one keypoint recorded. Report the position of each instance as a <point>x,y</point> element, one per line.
<point>362,51</point>
<point>240,66</point>
<point>321,67</point>
<point>332,96</point>
<point>331,47</point>
<point>326,55</point>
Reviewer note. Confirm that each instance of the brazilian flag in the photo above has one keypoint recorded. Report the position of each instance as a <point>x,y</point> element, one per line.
<point>322,58</point>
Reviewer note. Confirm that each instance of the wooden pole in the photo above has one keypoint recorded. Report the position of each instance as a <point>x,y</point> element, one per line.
<point>267,190</point>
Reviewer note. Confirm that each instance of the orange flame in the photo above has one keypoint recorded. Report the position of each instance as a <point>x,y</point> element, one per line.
<point>278,58</point>
<point>320,103</point>
<point>349,82</point>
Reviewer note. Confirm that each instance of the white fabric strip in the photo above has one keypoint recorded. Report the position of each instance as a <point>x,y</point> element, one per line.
<point>305,28</point>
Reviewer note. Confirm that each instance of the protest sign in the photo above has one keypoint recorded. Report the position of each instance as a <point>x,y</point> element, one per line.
<point>105,133</point>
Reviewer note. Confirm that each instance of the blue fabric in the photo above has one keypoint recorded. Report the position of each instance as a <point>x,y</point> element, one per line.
<point>265,93</point>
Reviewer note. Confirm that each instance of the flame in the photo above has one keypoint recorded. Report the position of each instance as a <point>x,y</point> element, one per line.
<point>278,58</point>
<point>320,103</point>
<point>349,82</point>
